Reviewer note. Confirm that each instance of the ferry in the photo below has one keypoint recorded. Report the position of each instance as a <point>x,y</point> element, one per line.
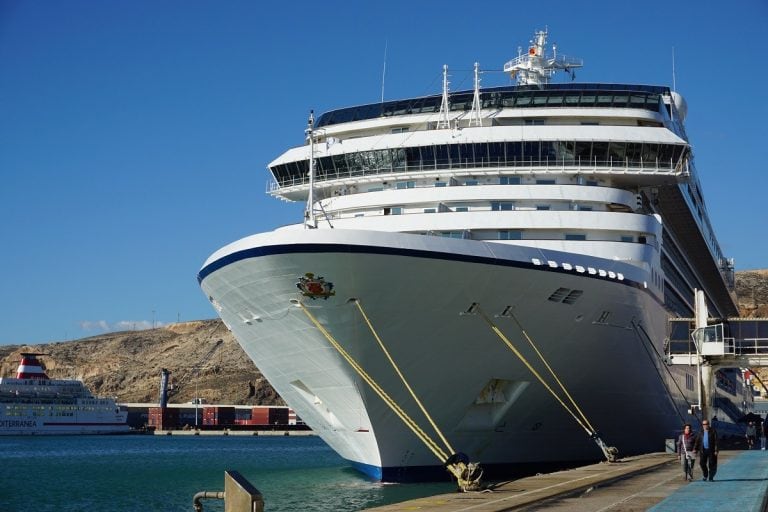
<point>34,404</point>
<point>484,275</point>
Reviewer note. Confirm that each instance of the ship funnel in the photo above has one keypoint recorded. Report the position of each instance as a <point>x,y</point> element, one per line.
<point>30,367</point>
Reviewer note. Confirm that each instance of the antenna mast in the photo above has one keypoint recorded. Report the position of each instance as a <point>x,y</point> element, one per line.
<point>384,71</point>
<point>474,118</point>
<point>444,106</point>
<point>309,213</point>
<point>536,67</point>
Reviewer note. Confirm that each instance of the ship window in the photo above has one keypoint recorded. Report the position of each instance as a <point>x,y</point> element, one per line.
<point>405,184</point>
<point>375,189</point>
<point>430,210</point>
<point>471,183</point>
<point>591,183</point>
<point>542,207</point>
<point>498,206</point>
<point>508,234</point>
<point>534,122</point>
<point>509,180</point>
<point>461,209</point>
<point>572,236</point>
<point>627,238</point>
<point>545,182</point>
<point>555,100</point>
<point>396,210</point>
<point>440,184</point>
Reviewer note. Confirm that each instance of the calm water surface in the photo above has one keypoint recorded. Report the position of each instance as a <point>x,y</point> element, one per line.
<point>162,473</point>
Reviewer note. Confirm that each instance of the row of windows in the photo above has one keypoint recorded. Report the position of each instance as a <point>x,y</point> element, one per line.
<point>485,154</point>
<point>516,234</point>
<point>552,95</point>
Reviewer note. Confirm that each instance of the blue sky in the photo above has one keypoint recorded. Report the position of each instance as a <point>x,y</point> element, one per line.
<point>134,136</point>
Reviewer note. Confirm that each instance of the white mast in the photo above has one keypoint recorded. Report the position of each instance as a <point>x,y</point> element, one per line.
<point>535,67</point>
<point>309,213</point>
<point>444,106</point>
<point>474,116</point>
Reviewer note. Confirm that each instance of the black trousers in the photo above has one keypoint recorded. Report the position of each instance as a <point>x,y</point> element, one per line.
<point>708,463</point>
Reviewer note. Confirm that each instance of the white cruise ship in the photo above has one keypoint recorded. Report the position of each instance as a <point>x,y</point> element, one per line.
<point>488,272</point>
<point>33,404</point>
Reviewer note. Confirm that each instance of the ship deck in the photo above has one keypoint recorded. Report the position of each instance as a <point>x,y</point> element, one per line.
<point>648,482</point>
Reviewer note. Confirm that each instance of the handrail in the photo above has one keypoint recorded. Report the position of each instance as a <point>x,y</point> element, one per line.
<point>519,166</point>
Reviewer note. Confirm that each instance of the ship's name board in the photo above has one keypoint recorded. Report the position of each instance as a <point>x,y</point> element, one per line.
<point>18,423</point>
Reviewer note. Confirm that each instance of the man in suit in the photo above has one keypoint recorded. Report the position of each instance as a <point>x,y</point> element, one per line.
<point>705,446</point>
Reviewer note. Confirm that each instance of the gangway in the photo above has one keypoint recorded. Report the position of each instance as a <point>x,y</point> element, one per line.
<point>714,343</point>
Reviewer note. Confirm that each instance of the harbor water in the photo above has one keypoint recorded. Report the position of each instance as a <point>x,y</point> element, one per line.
<point>162,473</point>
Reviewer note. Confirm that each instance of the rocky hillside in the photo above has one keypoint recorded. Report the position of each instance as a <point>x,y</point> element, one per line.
<point>752,293</point>
<point>127,364</point>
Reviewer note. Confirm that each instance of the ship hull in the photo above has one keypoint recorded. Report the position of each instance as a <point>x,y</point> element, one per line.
<point>600,332</point>
<point>40,426</point>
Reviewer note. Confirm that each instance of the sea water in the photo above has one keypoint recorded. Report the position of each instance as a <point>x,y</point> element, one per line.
<point>163,473</point>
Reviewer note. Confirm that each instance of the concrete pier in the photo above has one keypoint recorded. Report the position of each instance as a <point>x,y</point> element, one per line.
<point>648,482</point>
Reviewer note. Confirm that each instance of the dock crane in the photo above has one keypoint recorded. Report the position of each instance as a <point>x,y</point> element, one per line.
<point>166,393</point>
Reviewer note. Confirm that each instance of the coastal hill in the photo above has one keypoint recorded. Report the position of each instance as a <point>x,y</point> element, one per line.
<point>127,364</point>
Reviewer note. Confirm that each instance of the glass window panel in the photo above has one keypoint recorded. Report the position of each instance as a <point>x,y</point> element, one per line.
<point>588,100</point>
<point>496,152</point>
<point>604,100</point>
<point>620,100</point>
<point>539,99</point>
<point>650,153</point>
<point>599,152</point>
<point>637,100</point>
<point>455,154</point>
<point>555,101</point>
<point>531,151</point>
<point>549,151</point>
<point>583,151</point>
<point>617,151</point>
<point>523,101</point>
<point>442,156</point>
<point>633,152</point>
<point>428,156</point>
<point>572,100</point>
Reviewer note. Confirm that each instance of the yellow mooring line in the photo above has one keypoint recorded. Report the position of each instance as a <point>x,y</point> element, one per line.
<point>588,427</point>
<point>428,441</point>
<point>402,378</point>
<point>530,341</point>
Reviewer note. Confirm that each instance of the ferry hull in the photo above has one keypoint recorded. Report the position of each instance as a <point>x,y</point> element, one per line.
<point>595,332</point>
<point>40,426</point>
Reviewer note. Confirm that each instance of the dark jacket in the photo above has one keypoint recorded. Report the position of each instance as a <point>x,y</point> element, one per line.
<point>698,444</point>
<point>689,443</point>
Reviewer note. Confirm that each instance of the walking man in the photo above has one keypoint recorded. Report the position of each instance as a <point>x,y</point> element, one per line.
<point>706,446</point>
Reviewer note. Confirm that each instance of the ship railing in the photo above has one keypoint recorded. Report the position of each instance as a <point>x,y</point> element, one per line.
<point>494,165</point>
<point>751,346</point>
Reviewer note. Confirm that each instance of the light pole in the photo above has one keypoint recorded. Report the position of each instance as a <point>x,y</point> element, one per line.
<point>197,400</point>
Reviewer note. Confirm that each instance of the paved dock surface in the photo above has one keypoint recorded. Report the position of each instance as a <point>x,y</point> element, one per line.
<point>648,482</point>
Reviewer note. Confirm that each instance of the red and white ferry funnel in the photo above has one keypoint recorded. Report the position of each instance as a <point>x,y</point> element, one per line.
<point>30,367</point>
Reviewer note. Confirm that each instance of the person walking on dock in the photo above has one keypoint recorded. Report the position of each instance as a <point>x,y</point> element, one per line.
<point>751,432</point>
<point>706,447</point>
<point>685,452</point>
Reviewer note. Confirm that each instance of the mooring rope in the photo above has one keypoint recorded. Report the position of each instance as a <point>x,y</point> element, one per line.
<point>402,378</point>
<point>428,441</point>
